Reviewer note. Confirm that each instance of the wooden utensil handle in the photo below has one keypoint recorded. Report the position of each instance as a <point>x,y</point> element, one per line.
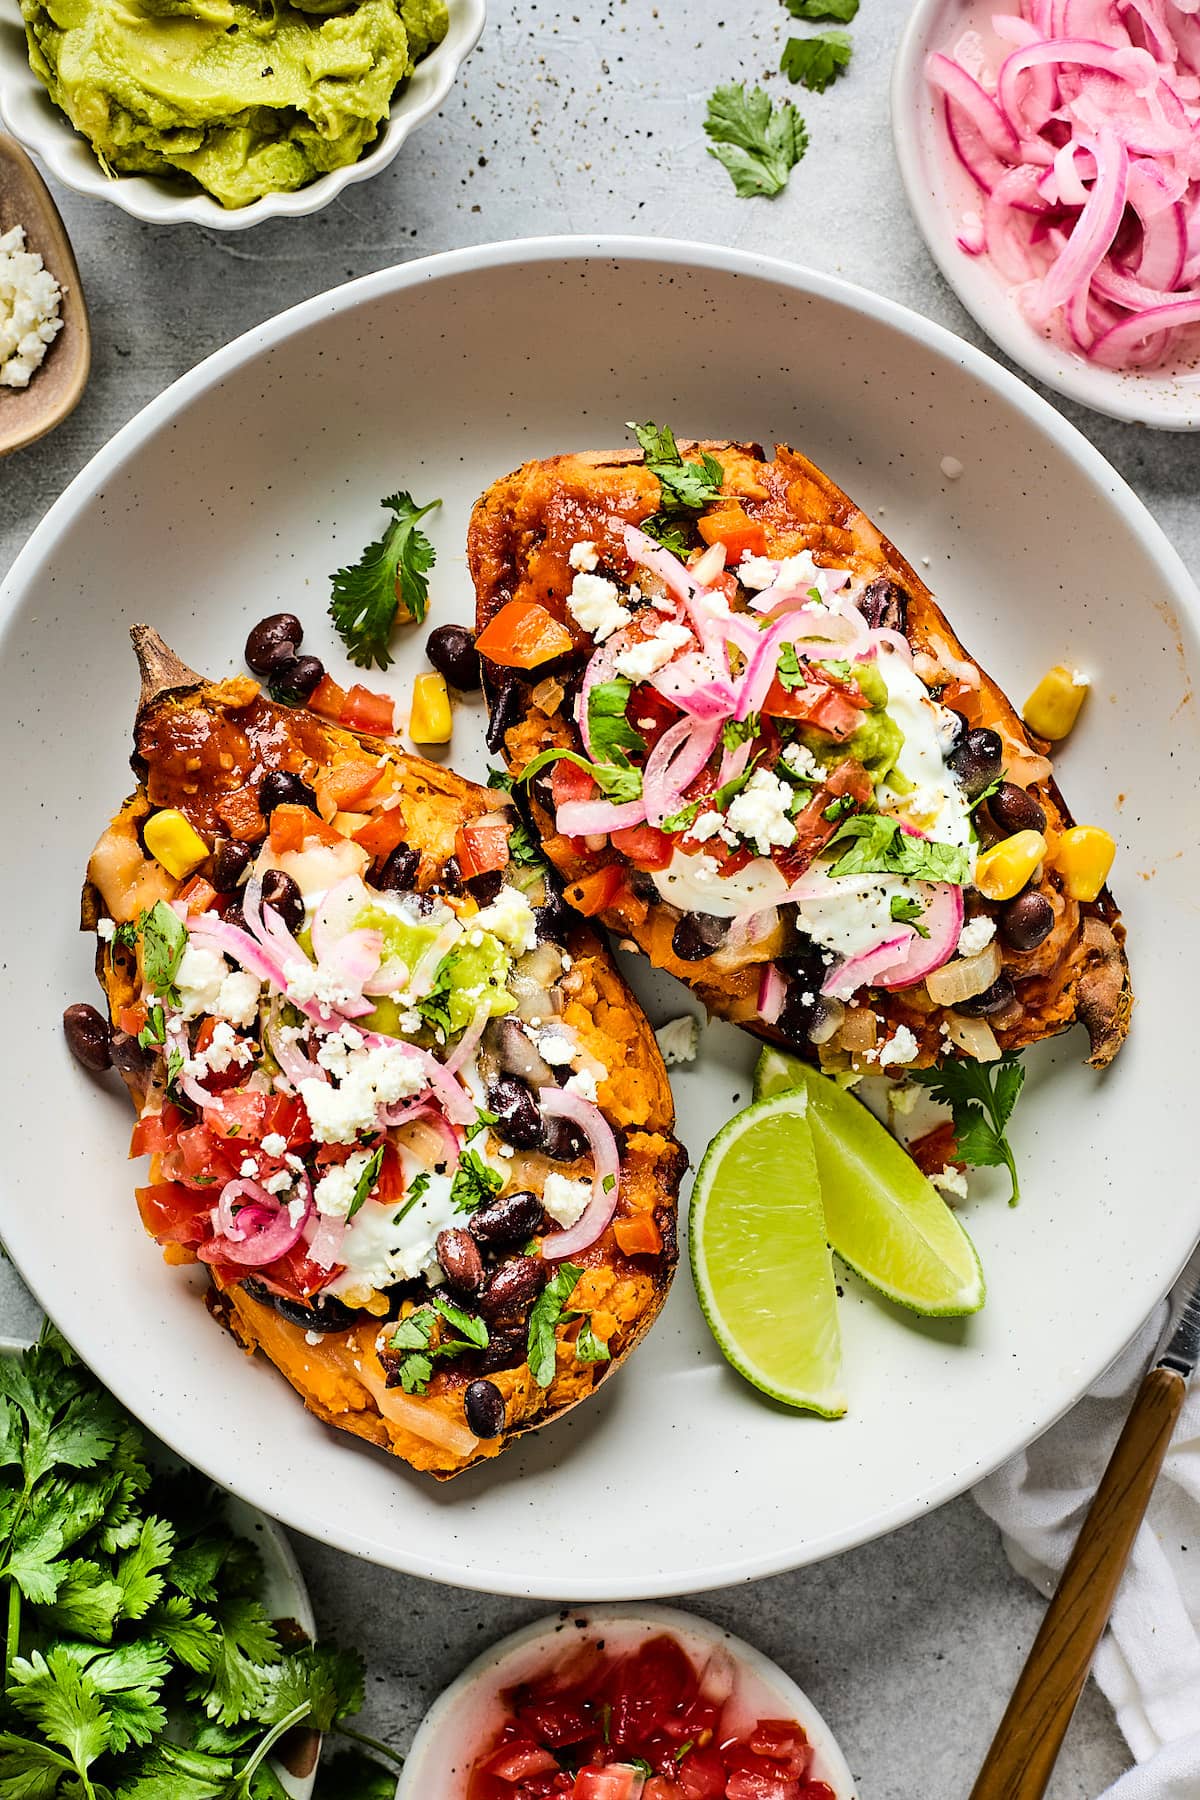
<point>1026,1745</point>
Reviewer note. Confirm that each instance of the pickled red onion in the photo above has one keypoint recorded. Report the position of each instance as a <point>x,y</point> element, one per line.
<point>606,1170</point>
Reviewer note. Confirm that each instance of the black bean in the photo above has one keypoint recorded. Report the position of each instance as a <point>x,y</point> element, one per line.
<point>485,887</point>
<point>274,640</point>
<point>461,1262</point>
<point>513,1288</point>
<point>802,1007</point>
<point>643,884</point>
<point>561,1141</point>
<point>324,1312</point>
<point>128,1056</point>
<point>283,787</point>
<point>280,892</point>
<point>399,873</point>
<point>697,935</point>
<point>294,683</point>
<point>450,876</point>
<point>230,863</point>
<point>451,650</point>
<point>518,1120</point>
<point>89,1036</point>
<point>506,707</point>
<point>507,1348</point>
<point>508,1219</point>
<point>485,1409</point>
<point>992,1000</point>
<point>976,760</point>
<point>553,919</point>
<point>885,604</point>
<point>1014,810</point>
<point>1027,921</point>
<point>541,789</point>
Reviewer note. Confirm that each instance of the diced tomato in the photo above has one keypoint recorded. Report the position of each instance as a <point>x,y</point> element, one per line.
<point>813,832</point>
<point>823,702</point>
<point>650,714</point>
<point>292,826</point>
<point>594,893</point>
<point>240,1116</point>
<point>132,1018</point>
<point>784,1742</point>
<point>226,1078</point>
<point>619,1781</point>
<point>647,1687</point>
<point>732,860</point>
<point>155,1134</point>
<point>936,1149</point>
<point>731,526</point>
<point>367,711</point>
<point>522,635</point>
<point>328,699</point>
<point>567,1720</point>
<point>702,1775</point>
<point>849,777</point>
<point>285,1116</point>
<point>295,1275</point>
<point>241,815</point>
<point>174,1214</point>
<point>390,1185</point>
<point>516,1762</point>
<point>638,1236</point>
<point>481,847</point>
<point>761,1784</point>
<point>644,847</point>
<point>383,831</point>
<point>206,1160</point>
<point>659,1788</point>
<point>568,782</point>
<point>197,894</point>
<point>346,784</point>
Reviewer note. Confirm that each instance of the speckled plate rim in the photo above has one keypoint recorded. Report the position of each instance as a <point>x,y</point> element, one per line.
<point>1148,399</point>
<point>509,1660</point>
<point>996,382</point>
<point>287,1591</point>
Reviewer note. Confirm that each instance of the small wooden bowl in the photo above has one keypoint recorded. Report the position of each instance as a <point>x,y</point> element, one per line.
<point>27,414</point>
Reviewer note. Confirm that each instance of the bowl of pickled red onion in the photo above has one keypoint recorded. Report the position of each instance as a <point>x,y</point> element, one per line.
<point>1050,151</point>
<point>624,1703</point>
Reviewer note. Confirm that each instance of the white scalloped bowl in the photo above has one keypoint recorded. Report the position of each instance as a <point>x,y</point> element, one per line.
<point>939,192</point>
<point>459,1726</point>
<point>29,113</point>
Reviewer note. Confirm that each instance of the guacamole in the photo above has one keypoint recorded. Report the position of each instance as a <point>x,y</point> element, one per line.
<point>240,99</point>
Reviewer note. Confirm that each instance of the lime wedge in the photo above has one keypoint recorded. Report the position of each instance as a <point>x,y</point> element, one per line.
<point>884,1219</point>
<point>760,1256</point>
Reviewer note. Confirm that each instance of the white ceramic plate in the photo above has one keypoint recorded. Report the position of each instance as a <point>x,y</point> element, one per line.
<point>284,1594</point>
<point>29,113</point>
<point>939,192</point>
<point>460,1725</point>
<point>237,492</point>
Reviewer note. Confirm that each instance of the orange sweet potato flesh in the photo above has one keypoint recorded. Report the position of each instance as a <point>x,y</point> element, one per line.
<point>519,544</point>
<point>195,743</point>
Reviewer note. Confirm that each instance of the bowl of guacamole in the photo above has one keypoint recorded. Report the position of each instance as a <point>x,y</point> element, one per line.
<point>225,112</point>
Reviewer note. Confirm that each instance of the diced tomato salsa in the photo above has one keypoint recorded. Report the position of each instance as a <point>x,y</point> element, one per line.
<point>645,1724</point>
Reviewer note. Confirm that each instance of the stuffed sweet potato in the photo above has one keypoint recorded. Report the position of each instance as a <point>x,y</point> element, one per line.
<point>395,1097</point>
<point>755,747</point>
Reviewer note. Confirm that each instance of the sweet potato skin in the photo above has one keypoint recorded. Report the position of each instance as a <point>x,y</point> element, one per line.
<point>520,537</point>
<point>196,743</point>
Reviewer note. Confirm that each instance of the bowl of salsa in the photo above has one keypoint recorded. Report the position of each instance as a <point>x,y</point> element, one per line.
<point>624,1703</point>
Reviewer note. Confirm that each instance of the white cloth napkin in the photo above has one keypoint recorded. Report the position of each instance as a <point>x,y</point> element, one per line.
<point>1148,1663</point>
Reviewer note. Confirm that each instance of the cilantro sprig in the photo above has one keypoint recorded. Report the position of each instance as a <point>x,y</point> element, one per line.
<point>417,1348</point>
<point>757,143</point>
<point>139,1660</point>
<point>816,61</point>
<point>981,1098</point>
<point>390,574</point>
<point>686,488</point>
<point>878,845</point>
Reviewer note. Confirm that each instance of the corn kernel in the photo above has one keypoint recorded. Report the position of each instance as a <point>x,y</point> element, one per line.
<point>429,721</point>
<point>1053,707</point>
<point>1001,872</point>
<point>1084,855</point>
<point>173,842</point>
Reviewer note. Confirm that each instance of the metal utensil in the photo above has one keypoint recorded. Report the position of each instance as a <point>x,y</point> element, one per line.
<point>1025,1748</point>
<point>27,414</point>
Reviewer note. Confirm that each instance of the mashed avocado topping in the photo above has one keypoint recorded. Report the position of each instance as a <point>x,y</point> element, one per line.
<point>241,99</point>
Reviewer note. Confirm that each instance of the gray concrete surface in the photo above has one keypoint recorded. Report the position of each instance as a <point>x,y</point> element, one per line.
<point>590,119</point>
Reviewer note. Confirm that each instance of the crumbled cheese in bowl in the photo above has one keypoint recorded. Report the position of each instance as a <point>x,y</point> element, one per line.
<point>29,310</point>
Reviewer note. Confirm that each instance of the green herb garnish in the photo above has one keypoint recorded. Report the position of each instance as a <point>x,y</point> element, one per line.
<point>981,1097</point>
<point>366,1182</point>
<point>609,731</point>
<point>816,61</point>
<point>838,808</point>
<point>389,574</point>
<point>413,1341</point>
<point>589,1348</point>
<point>549,1310</point>
<point>164,940</point>
<point>816,10</point>
<point>740,731</point>
<point>788,671</point>
<point>906,909</point>
<point>474,1182</point>
<point>879,845</point>
<point>618,780</point>
<point>757,143</point>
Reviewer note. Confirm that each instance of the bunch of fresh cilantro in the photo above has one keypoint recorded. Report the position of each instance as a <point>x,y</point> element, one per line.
<point>139,1662</point>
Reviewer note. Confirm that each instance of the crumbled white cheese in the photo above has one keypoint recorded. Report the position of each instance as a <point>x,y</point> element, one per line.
<point>369,1079</point>
<point>279,1182</point>
<point>511,919</point>
<point>305,981</point>
<point>248,1169</point>
<point>757,572</point>
<point>641,660</point>
<point>556,1049</point>
<point>975,936</point>
<point>29,308</point>
<point>797,574</point>
<point>679,1039</point>
<point>583,556</point>
<point>106,930</point>
<point>274,1144</point>
<point>1079,679</point>
<point>198,980</point>
<point>238,998</point>
<point>951,1181</point>
<point>902,1097</point>
<point>564,1199</point>
<point>706,825</point>
<point>583,1083</point>
<point>335,1191</point>
<point>760,812</point>
<point>900,1049</point>
<point>594,603</point>
<point>224,1051</point>
<point>800,759</point>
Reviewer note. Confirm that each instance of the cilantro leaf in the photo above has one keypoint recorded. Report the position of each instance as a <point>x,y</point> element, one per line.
<point>735,732</point>
<point>609,730</point>
<point>416,1187</point>
<point>164,940</point>
<point>138,1570</point>
<point>981,1098</point>
<point>816,61</point>
<point>328,1681</point>
<point>617,781</point>
<point>87,1602</point>
<point>906,909</point>
<point>687,815</point>
<point>57,1695</point>
<point>589,1348</point>
<point>244,1639</point>
<point>547,1313</point>
<point>686,488</point>
<point>788,670</point>
<point>474,1182</point>
<point>841,10</point>
<point>366,1182</point>
<point>29,1771</point>
<point>668,532</point>
<point>471,1329</point>
<point>186,1634</point>
<point>389,574</point>
<point>756,143</point>
<point>879,845</point>
<point>128,1679</point>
